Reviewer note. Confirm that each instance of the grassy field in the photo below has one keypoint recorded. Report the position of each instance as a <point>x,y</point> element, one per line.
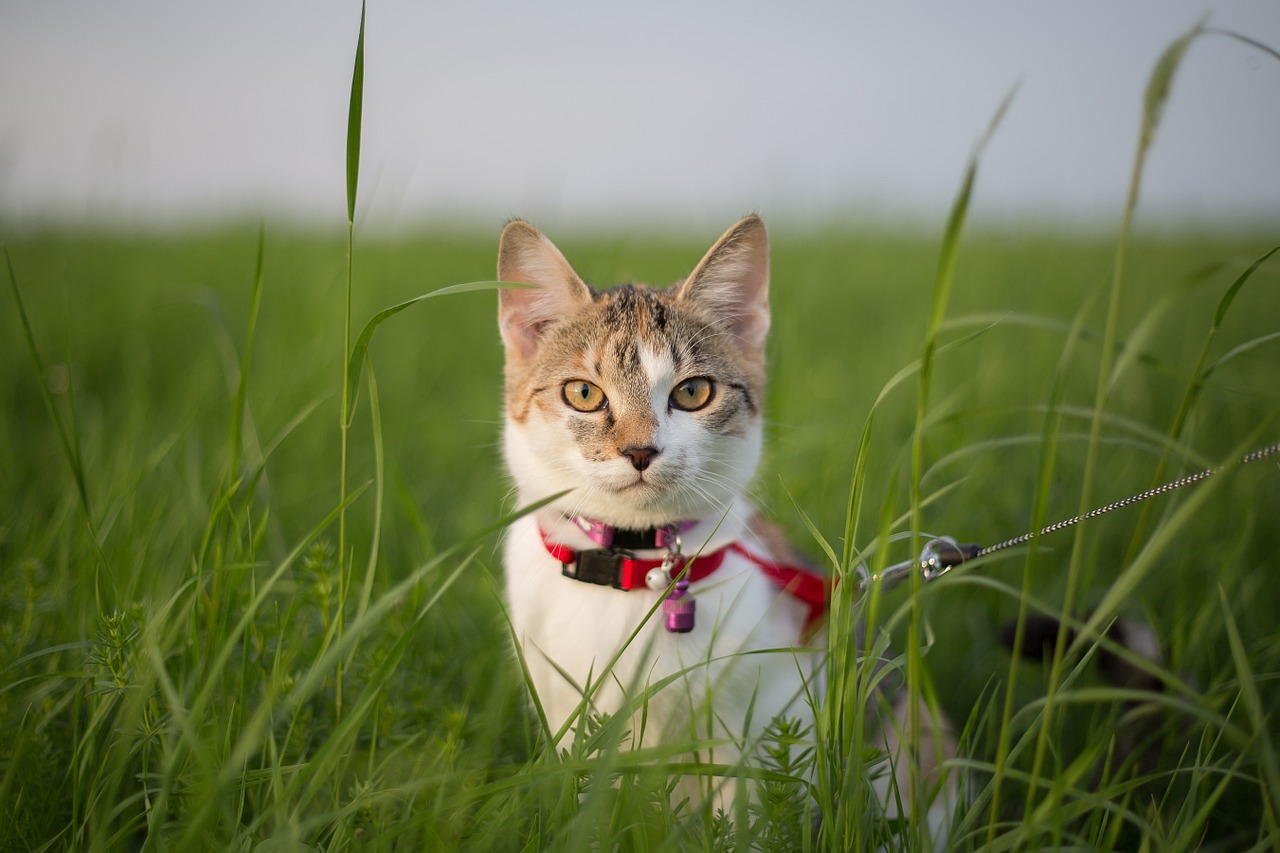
<point>175,666</point>
<point>211,639</point>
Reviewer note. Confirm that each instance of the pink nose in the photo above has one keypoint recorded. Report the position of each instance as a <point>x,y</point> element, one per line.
<point>639,456</point>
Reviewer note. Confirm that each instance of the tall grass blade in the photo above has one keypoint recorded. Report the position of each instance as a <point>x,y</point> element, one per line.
<point>68,439</point>
<point>943,281</point>
<point>355,110</point>
<point>1155,97</point>
<point>1260,717</point>
<point>70,449</point>
<point>238,404</point>
<point>1199,375</point>
<point>1240,349</point>
<point>1253,43</point>
<point>1224,304</point>
<point>361,351</point>
<point>1050,440</point>
<point>375,414</point>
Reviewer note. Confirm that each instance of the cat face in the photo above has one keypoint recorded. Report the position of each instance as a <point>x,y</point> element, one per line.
<point>644,404</point>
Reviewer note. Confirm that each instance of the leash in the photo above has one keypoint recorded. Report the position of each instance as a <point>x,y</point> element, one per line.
<point>613,563</point>
<point>941,555</point>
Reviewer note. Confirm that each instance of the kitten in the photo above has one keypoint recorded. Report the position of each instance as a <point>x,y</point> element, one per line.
<point>639,410</point>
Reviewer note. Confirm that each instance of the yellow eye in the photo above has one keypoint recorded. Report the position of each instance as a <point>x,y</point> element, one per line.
<point>693,394</point>
<point>583,395</point>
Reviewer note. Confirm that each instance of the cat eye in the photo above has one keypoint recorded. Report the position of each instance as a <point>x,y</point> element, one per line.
<point>583,395</point>
<point>693,394</point>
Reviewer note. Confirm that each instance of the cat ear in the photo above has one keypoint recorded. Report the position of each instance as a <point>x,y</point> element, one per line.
<point>731,283</point>
<point>525,256</point>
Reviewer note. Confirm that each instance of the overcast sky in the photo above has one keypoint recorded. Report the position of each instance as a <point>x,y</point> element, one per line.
<point>583,112</point>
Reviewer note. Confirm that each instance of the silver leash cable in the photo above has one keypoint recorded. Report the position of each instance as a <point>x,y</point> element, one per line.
<point>943,554</point>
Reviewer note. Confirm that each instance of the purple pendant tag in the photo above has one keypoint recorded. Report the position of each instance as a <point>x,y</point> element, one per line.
<point>679,608</point>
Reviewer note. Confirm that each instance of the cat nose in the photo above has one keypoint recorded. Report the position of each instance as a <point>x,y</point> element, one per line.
<point>639,456</point>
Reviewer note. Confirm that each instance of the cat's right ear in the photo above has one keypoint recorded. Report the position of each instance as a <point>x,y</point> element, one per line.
<point>527,257</point>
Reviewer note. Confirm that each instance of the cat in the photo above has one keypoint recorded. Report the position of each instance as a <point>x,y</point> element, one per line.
<point>635,413</point>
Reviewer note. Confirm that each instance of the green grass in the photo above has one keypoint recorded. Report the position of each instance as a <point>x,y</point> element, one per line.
<point>227,619</point>
<point>128,663</point>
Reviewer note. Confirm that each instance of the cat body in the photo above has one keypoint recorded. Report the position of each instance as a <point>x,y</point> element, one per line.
<point>638,459</point>
<point>638,409</point>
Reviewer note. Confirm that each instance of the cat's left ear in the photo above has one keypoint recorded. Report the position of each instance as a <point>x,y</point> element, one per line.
<point>731,283</point>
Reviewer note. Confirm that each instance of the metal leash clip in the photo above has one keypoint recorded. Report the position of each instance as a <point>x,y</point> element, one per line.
<point>938,557</point>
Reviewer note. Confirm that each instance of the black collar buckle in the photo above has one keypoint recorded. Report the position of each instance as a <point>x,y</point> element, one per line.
<point>600,566</point>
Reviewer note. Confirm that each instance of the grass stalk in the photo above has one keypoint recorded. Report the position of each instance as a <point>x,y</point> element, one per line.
<point>943,281</point>
<point>1078,574</point>
<point>70,449</point>
<point>354,119</point>
<point>1049,441</point>
<point>69,442</point>
<point>1199,376</point>
<point>235,443</point>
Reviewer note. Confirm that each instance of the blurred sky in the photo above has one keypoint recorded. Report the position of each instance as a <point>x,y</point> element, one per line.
<point>600,112</point>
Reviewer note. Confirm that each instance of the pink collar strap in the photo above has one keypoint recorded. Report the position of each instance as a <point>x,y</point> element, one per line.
<point>608,536</point>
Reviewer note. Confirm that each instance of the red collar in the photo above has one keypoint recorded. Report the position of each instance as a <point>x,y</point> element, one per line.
<point>621,570</point>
